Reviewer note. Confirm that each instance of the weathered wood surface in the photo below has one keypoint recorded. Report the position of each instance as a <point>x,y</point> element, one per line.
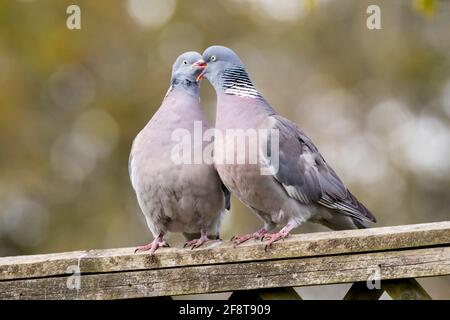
<point>236,276</point>
<point>296,246</point>
<point>309,259</point>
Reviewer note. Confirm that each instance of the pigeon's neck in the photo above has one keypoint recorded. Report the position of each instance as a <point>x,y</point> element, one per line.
<point>189,86</point>
<point>179,109</point>
<point>235,81</point>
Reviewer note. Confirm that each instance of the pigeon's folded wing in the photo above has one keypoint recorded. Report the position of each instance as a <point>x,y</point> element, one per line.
<point>306,177</point>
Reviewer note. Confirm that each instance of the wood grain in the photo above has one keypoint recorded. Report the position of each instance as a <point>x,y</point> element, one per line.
<point>236,276</point>
<point>296,246</point>
<point>308,259</point>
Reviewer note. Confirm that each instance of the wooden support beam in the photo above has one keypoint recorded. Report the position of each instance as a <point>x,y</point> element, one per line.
<point>360,291</point>
<point>399,289</point>
<point>405,289</point>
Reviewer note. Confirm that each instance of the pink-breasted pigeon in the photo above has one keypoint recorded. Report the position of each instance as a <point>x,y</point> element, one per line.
<point>301,186</point>
<point>174,195</point>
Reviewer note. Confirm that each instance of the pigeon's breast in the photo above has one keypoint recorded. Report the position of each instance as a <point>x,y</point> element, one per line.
<point>182,197</point>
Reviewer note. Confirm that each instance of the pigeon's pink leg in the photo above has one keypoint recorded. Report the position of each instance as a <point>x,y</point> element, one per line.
<point>198,242</point>
<point>272,237</point>
<point>153,246</point>
<point>257,235</point>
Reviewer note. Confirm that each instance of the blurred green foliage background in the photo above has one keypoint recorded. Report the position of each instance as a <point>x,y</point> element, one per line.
<point>376,103</point>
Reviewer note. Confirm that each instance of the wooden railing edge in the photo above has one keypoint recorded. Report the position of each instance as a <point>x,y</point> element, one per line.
<point>389,254</point>
<point>296,246</point>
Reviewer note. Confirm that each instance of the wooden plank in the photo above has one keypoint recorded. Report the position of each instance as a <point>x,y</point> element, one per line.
<point>296,246</point>
<point>236,276</point>
<point>287,293</point>
<point>405,289</point>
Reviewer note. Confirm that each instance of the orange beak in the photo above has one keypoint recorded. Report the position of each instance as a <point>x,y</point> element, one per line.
<point>202,65</point>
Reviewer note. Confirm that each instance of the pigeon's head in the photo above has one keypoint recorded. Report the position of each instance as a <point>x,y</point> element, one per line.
<point>185,70</point>
<point>217,59</point>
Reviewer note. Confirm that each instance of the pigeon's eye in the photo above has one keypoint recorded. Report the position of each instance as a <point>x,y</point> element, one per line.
<point>213,58</point>
<point>185,62</point>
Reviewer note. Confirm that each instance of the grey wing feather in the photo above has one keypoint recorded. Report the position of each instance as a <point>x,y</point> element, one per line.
<point>306,176</point>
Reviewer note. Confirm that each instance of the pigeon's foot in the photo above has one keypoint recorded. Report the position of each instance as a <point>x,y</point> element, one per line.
<point>193,244</point>
<point>257,235</point>
<point>153,246</point>
<point>273,237</point>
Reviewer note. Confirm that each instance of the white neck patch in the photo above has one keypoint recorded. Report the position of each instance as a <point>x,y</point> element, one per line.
<point>237,82</point>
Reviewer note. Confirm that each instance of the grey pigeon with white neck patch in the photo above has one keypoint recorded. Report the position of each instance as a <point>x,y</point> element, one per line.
<point>177,196</point>
<point>301,187</point>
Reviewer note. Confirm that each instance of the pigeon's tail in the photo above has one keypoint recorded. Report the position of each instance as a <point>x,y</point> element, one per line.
<point>363,223</point>
<point>360,216</point>
<point>360,224</point>
<point>363,219</point>
<point>345,217</point>
<point>343,222</point>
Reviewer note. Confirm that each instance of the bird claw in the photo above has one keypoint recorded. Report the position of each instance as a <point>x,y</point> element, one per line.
<point>240,239</point>
<point>152,246</point>
<point>273,237</point>
<point>256,235</point>
<point>196,243</point>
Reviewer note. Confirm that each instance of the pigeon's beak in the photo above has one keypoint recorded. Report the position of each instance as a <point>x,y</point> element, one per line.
<point>202,65</point>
